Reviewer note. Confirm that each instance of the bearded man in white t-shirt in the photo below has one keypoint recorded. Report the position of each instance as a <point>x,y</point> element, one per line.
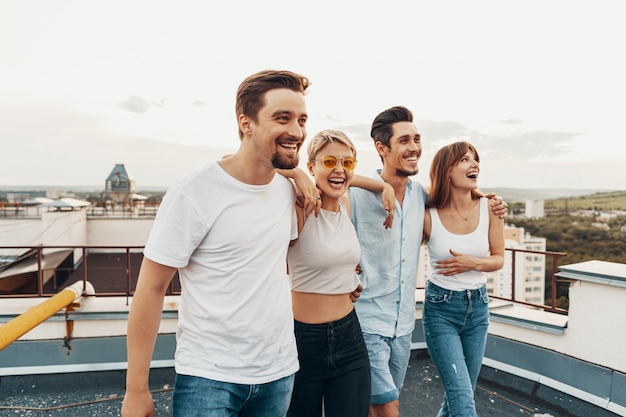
<point>226,229</point>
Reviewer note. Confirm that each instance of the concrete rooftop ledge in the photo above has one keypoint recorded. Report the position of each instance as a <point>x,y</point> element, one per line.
<point>529,318</point>
<point>601,272</point>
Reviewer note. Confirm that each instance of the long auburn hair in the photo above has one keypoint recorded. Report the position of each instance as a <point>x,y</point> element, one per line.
<point>444,160</point>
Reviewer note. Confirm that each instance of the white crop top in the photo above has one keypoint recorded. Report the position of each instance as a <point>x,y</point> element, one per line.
<point>324,258</point>
<point>474,244</point>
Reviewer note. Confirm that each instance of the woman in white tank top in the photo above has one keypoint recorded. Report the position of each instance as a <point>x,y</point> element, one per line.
<point>334,364</point>
<point>465,240</point>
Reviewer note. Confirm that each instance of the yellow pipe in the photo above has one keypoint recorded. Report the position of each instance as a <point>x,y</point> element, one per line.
<point>22,324</point>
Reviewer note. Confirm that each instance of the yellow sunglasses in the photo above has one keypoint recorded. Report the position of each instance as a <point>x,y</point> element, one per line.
<point>331,161</point>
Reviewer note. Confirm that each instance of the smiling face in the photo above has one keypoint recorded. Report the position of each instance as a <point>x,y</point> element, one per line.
<point>404,151</point>
<point>465,173</point>
<point>333,182</point>
<point>279,129</point>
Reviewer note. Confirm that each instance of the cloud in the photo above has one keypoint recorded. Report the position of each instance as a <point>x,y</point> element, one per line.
<point>48,143</point>
<point>40,123</point>
<point>135,104</point>
<point>517,144</point>
<point>511,121</point>
<point>65,147</point>
<point>505,156</point>
<point>531,145</point>
<point>432,131</point>
<point>357,132</point>
<point>329,118</point>
<point>199,103</point>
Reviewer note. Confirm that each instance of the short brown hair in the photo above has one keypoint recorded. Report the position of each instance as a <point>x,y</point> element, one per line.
<point>251,92</point>
<point>382,126</point>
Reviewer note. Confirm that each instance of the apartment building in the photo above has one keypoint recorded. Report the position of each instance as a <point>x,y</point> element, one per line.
<point>530,268</point>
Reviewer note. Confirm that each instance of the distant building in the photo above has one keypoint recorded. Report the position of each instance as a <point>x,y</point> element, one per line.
<point>119,186</point>
<point>530,268</point>
<point>605,216</point>
<point>534,209</point>
<point>18,196</point>
<point>120,192</point>
<point>423,267</point>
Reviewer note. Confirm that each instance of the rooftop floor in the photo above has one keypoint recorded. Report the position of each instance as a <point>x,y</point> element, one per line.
<point>100,394</point>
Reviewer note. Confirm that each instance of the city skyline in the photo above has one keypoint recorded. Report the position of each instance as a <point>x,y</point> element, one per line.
<point>536,86</point>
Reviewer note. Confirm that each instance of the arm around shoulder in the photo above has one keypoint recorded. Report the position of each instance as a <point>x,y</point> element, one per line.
<point>498,206</point>
<point>388,194</point>
<point>496,242</point>
<point>307,192</point>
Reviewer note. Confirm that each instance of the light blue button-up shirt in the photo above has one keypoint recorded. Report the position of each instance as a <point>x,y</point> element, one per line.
<point>389,259</point>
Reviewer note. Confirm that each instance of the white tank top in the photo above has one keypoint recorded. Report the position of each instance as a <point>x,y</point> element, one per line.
<point>474,244</point>
<point>324,258</point>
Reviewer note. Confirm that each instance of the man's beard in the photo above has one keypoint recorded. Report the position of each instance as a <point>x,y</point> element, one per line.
<point>404,173</point>
<point>284,162</point>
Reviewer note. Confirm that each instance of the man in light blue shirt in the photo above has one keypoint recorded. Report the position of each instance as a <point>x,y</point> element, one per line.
<point>389,257</point>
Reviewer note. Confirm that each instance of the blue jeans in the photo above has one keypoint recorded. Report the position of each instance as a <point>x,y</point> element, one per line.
<point>334,369</point>
<point>201,397</point>
<point>389,359</point>
<point>455,326</point>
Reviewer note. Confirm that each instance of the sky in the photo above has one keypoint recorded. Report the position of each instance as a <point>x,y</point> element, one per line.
<point>538,86</point>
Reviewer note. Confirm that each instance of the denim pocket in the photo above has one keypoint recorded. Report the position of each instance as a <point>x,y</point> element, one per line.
<point>435,297</point>
<point>484,295</point>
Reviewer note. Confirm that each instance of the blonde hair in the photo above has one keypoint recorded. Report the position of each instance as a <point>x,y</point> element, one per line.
<point>326,137</point>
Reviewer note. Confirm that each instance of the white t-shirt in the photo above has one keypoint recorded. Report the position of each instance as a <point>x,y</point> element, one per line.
<point>229,241</point>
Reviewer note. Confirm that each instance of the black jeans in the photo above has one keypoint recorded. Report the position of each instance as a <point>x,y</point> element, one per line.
<point>334,369</point>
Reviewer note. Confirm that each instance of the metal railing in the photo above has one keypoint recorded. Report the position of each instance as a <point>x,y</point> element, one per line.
<point>555,256</point>
<point>11,209</point>
<point>108,279</point>
<point>115,276</point>
<point>97,210</point>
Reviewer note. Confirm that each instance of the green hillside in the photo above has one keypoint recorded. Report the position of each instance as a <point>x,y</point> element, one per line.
<point>517,195</point>
<point>615,200</point>
<point>600,201</point>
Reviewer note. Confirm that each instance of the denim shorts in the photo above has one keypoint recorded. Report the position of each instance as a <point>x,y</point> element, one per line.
<point>389,359</point>
<point>201,397</point>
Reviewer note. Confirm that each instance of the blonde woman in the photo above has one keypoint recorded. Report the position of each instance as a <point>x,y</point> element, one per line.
<point>334,364</point>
